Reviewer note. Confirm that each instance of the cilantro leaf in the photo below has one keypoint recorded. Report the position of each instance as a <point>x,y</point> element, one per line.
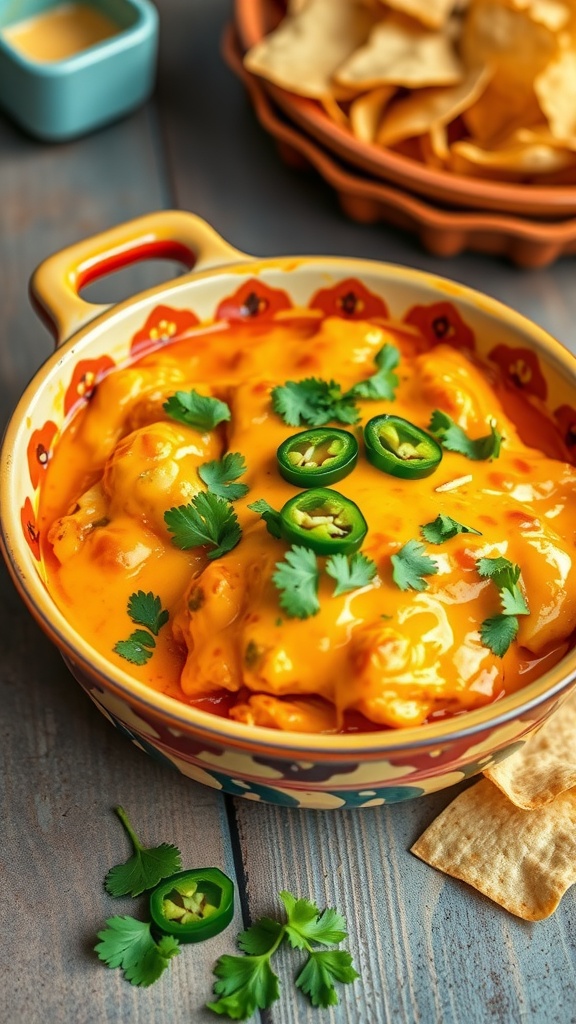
<point>501,570</point>
<point>454,439</point>
<point>513,602</point>
<point>505,575</point>
<point>260,936</point>
<point>195,410</point>
<point>270,516</point>
<point>136,648</point>
<point>218,474</point>
<point>207,521</point>
<point>320,971</point>
<point>443,528</point>
<point>498,632</point>
<point>306,923</point>
<point>313,401</point>
<point>410,565</point>
<point>128,943</point>
<point>146,610</point>
<point>382,384</point>
<point>246,983</point>
<point>145,869</point>
<point>297,580</point>
<point>350,573</point>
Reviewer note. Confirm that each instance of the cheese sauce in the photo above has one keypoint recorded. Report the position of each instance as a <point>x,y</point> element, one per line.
<point>375,657</point>
<point>59,32</point>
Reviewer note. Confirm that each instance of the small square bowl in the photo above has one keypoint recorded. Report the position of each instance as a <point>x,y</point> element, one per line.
<point>62,98</point>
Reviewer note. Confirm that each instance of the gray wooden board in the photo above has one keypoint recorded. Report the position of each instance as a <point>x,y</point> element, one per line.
<point>430,951</point>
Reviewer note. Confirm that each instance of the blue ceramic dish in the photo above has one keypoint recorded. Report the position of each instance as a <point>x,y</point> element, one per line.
<point>56,100</point>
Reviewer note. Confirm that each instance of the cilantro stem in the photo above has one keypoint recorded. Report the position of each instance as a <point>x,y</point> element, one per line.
<point>126,823</point>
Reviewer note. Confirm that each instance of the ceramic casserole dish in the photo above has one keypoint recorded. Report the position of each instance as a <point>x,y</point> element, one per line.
<point>288,768</point>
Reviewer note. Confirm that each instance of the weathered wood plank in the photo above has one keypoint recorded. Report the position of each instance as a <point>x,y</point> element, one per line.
<point>428,948</point>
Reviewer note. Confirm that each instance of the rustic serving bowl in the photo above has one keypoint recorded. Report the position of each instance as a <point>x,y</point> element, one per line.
<point>296,770</point>
<point>256,18</point>
<point>442,230</point>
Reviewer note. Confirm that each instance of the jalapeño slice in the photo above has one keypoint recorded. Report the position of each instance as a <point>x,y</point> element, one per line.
<point>323,520</point>
<point>396,446</point>
<point>317,457</point>
<point>193,905</point>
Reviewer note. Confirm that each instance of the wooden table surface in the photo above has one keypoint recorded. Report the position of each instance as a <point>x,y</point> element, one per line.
<point>429,949</point>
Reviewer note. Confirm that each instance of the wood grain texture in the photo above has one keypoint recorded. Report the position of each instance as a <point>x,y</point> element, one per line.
<point>430,950</point>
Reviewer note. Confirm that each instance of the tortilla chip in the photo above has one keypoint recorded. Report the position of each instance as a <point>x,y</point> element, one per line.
<point>302,54</point>
<point>366,112</point>
<point>522,860</point>
<point>434,146</point>
<point>510,41</point>
<point>399,52</point>
<point>555,88</point>
<point>520,160</point>
<point>417,113</point>
<point>334,111</point>
<point>545,766</point>
<point>500,111</point>
<point>554,14</point>
<point>432,13</point>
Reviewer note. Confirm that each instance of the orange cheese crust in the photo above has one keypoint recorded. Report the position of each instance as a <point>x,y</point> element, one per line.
<point>376,657</point>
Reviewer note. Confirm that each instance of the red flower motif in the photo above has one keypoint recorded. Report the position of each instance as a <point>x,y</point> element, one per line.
<point>86,374</point>
<point>520,366</point>
<point>38,451</point>
<point>350,299</point>
<point>253,299</point>
<point>441,322</point>
<point>566,417</point>
<point>164,324</point>
<point>29,528</point>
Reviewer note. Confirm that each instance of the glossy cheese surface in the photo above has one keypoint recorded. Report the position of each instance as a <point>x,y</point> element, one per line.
<point>376,657</point>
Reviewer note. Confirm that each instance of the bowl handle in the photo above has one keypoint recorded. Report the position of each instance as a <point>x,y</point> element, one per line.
<point>169,234</point>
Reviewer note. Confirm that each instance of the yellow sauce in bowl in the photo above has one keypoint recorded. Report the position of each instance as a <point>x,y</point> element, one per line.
<point>59,32</point>
<point>375,657</point>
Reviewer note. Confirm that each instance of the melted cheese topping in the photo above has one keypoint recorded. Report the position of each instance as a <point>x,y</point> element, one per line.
<point>372,658</point>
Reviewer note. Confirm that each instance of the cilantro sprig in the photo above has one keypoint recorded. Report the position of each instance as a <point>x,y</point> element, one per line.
<point>410,565</point>
<point>444,528</point>
<point>128,943</point>
<point>207,521</point>
<point>315,401</point>
<point>296,578</point>
<point>219,475</point>
<point>271,517</point>
<point>499,631</point>
<point>455,439</point>
<point>195,410</point>
<point>350,571</point>
<point>384,382</point>
<point>144,610</point>
<point>145,868</point>
<point>247,983</point>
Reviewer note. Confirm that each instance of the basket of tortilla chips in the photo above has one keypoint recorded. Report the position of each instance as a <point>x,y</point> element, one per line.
<point>472,104</point>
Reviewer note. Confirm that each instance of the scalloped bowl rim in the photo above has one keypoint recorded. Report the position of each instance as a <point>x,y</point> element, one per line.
<point>221,730</point>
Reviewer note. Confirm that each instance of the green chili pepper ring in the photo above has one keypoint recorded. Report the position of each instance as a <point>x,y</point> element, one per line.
<point>398,447</point>
<point>193,905</point>
<point>323,520</point>
<point>315,457</point>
